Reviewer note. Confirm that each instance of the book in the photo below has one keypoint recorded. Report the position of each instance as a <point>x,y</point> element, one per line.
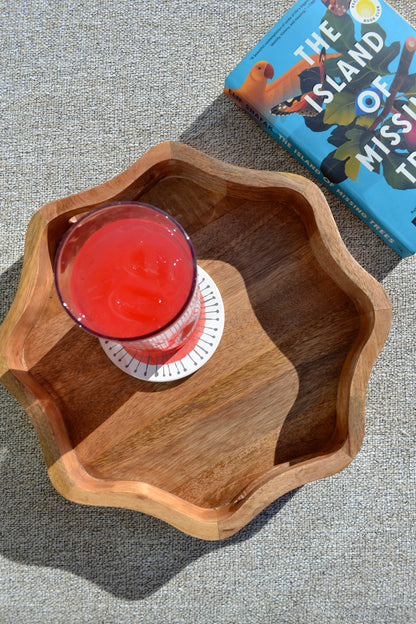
<point>334,82</point>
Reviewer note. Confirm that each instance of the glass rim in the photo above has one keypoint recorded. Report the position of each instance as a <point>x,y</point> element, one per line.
<point>90,214</point>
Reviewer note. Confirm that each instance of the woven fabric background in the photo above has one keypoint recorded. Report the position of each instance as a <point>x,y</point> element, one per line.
<point>86,89</point>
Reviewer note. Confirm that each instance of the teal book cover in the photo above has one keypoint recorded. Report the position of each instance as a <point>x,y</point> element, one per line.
<point>334,81</point>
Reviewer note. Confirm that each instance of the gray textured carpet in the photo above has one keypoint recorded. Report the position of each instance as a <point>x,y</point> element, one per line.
<point>86,89</point>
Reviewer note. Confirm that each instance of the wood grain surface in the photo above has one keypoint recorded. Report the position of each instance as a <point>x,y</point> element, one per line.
<point>280,403</point>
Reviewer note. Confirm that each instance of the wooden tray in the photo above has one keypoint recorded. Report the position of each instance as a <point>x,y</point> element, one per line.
<point>281,402</point>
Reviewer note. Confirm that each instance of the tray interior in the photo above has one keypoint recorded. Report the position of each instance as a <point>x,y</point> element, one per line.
<point>268,395</point>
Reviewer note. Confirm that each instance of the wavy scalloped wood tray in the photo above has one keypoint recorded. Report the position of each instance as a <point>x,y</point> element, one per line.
<point>282,401</point>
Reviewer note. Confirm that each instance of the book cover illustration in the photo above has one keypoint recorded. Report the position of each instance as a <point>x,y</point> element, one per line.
<point>334,81</point>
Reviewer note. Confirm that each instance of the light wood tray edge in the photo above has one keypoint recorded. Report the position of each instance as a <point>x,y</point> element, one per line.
<point>65,471</point>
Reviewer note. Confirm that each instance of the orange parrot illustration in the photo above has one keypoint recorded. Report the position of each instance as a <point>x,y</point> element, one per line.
<point>253,89</point>
<point>286,94</point>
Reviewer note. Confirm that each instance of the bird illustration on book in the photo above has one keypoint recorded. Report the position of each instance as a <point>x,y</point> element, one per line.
<point>302,82</point>
<point>253,89</point>
<point>286,94</point>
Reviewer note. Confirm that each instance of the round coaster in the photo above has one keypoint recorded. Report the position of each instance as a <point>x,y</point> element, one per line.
<point>194,353</point>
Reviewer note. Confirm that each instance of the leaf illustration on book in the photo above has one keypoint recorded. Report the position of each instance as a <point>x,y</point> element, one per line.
<point>365,121</point>
<point>388,53</point>
<point>348,151</point>
<point>379,65</point>
<point>331,65</point>
<point>375,28</point>
<point>337,136</point>
<point>341,111</point>
<point>342,24</point>
<point>396,180</point>
<point>333,169</point>
<point>409,86</point>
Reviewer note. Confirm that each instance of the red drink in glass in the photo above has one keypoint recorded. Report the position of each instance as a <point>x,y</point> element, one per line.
<point>131,278</point>
<point>127,272</point>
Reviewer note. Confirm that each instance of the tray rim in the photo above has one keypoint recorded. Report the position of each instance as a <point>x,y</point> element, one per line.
<point>65,471</point>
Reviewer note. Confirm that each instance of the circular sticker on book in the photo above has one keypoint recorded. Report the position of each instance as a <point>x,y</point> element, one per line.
<point>365,11</point>
<point>195,351</point>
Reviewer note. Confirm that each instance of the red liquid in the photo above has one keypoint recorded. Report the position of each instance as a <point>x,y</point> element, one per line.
<point>131,278</point>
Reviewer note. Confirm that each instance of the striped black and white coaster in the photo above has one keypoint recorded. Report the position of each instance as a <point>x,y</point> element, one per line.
<point>194,353</point>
